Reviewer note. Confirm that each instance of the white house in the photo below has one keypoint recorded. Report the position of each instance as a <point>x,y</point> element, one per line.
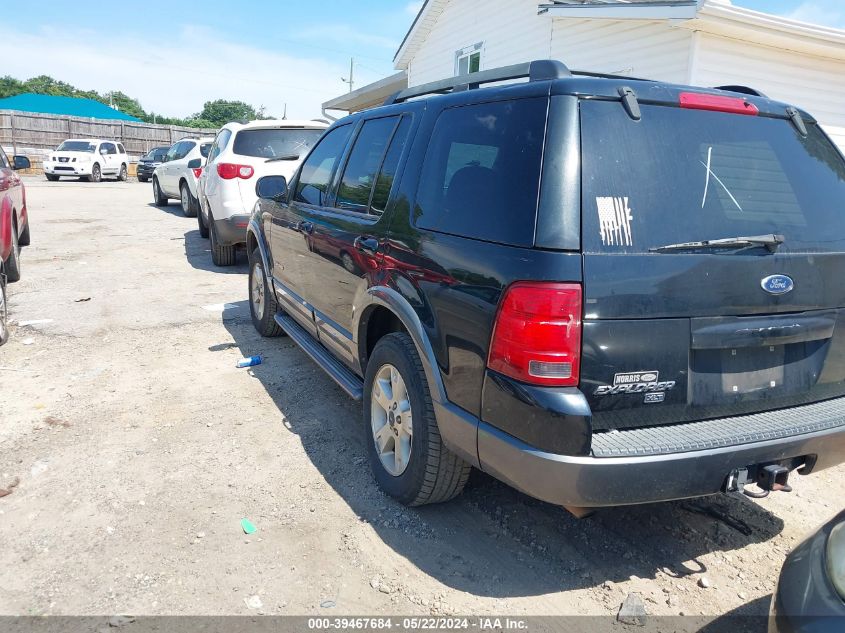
<point>698,42</point>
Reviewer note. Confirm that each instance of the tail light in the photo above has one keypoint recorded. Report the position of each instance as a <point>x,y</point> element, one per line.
<point>537,334</point>
<point>228,171</point>
<point>198,172</point>
<point>717,103</point>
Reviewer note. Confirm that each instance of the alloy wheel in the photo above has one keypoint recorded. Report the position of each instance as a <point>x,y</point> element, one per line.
<point>391,420</point>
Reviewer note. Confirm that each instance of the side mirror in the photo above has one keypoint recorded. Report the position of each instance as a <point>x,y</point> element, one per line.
<point>195,163</point>
<point>272,188</point>
<point>20,162</point>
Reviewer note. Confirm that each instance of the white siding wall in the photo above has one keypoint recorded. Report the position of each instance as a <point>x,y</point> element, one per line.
<point>511,30</point>
<point>654,50</point>
<point>813,83</point>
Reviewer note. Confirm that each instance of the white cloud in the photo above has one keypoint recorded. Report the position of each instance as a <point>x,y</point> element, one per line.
<point>177,75</point>
<point>346,34</point>
<point>829,13</point>
<point>413,8</point>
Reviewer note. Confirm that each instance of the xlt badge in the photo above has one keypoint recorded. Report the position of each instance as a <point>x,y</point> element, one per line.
<point>635,382</point>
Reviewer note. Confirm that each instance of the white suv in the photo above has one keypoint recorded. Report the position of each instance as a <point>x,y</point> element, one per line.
<point>178,173</point>
<point>87,158</point>
<point>241,154</point>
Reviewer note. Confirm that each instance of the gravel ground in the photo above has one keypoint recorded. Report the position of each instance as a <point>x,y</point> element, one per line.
<point>139,447</point>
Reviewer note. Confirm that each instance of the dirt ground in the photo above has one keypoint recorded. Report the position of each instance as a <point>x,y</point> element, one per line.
<point>139,447</point>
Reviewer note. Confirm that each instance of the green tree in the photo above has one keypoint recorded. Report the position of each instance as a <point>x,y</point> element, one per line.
<point>221,112</point>
<point>9,87</point>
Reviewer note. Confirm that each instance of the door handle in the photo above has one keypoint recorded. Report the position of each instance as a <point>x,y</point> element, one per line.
<point>305,227</point>
<point>366,244</point>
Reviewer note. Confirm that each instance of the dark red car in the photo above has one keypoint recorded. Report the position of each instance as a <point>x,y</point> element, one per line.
<point>14,225</point>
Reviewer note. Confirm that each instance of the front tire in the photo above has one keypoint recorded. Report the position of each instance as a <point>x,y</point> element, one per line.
<point>96,174</point>
<point>399,414</point>
<point>123,174</point>
<point>25,238</point>
<point>262,301</point>
<point>143,179</point>
<point>189,207</point>
<point>158,195</point>
<point>220,255</point>
<point>13,261</point>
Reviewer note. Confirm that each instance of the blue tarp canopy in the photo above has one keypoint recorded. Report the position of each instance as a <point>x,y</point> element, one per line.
<point>65,106</point>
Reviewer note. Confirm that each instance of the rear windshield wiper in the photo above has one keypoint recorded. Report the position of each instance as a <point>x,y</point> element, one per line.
<point>771,242</point>
<point>287,157</point>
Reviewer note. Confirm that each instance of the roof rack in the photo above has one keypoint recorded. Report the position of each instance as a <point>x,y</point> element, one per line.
<point>538,70</point>
<point>742,90</point>
<point>587,73</point>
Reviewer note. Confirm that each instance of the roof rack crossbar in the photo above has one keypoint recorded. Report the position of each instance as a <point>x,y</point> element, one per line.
<point>538,70</point>
<point>742,90</point>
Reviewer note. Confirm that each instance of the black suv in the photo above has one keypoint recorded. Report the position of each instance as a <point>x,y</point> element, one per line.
<point>601,290</point>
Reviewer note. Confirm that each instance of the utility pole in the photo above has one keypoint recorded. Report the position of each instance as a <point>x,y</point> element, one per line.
<point>351,80</point>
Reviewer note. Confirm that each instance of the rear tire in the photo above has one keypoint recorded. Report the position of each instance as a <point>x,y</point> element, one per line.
<point>24,238</point>
<point>203,227</point>
<point>158,195</point>
<point>123,174</point>
<point>189,206</point>
<point>430,473</point>
<point>52,177</point>
<point>262,301</point>
<point>13,261</point>
<point>96,173</point>
<point>220,255</point>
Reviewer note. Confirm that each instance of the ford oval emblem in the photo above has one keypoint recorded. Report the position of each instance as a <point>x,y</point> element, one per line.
<point>777,284</point>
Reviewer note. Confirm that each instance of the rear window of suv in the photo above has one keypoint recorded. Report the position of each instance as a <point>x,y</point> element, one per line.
<point>690,175</point>
<point>274,143</point>
<point>482,171</point>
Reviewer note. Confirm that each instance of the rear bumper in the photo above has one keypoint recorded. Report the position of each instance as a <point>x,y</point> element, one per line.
<point>231,230</point>
<point>589,481</point>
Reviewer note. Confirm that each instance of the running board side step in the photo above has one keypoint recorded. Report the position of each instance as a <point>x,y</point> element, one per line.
<point>339,372</point>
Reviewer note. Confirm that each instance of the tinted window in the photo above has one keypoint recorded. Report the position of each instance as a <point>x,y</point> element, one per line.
<point>172,152</point>
<point>364,162</point>
<point>156,154</point>
<point>120,148</point>
<point>204,149</point>
<point>481,173</point>
<point>4,161</point>
<point>690,175</point>
<point>273,143</point>
<point>185,148</point>
<point>108,148</point>
<point>384,182</point>
<point>316,173</point>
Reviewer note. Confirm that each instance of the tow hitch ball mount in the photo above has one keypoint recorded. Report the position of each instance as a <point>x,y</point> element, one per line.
<point>768,478</point>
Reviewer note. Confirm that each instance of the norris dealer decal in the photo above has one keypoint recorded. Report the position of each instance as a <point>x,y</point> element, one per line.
<point>637,382</point>
<point>615,221</point>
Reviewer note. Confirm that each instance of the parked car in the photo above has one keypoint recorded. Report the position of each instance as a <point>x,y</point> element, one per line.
<point>173,178</point>
<point>4,314</point>
<point>149,161</point>
<point>810,596</point>
<point>87,159</point>
<point>600,290</point>
<point>241,154</point>
<point>14,220</point>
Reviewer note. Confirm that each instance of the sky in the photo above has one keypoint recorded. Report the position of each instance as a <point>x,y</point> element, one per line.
<point>173,56</point>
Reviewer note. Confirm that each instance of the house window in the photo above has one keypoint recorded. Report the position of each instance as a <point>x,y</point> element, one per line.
<point>468,59</point>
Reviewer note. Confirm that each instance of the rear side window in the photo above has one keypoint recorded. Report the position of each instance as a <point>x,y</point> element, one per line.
<point>689,175</point>
<point>219,144</point>
<point>120,149</point>
<point>316,173</point>
<point>185,148</point>
<point>481,173</point>
<point>364,163</point>
<point>384,182</point>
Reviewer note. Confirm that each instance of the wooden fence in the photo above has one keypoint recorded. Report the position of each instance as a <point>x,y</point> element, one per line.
<point>19,130</point>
